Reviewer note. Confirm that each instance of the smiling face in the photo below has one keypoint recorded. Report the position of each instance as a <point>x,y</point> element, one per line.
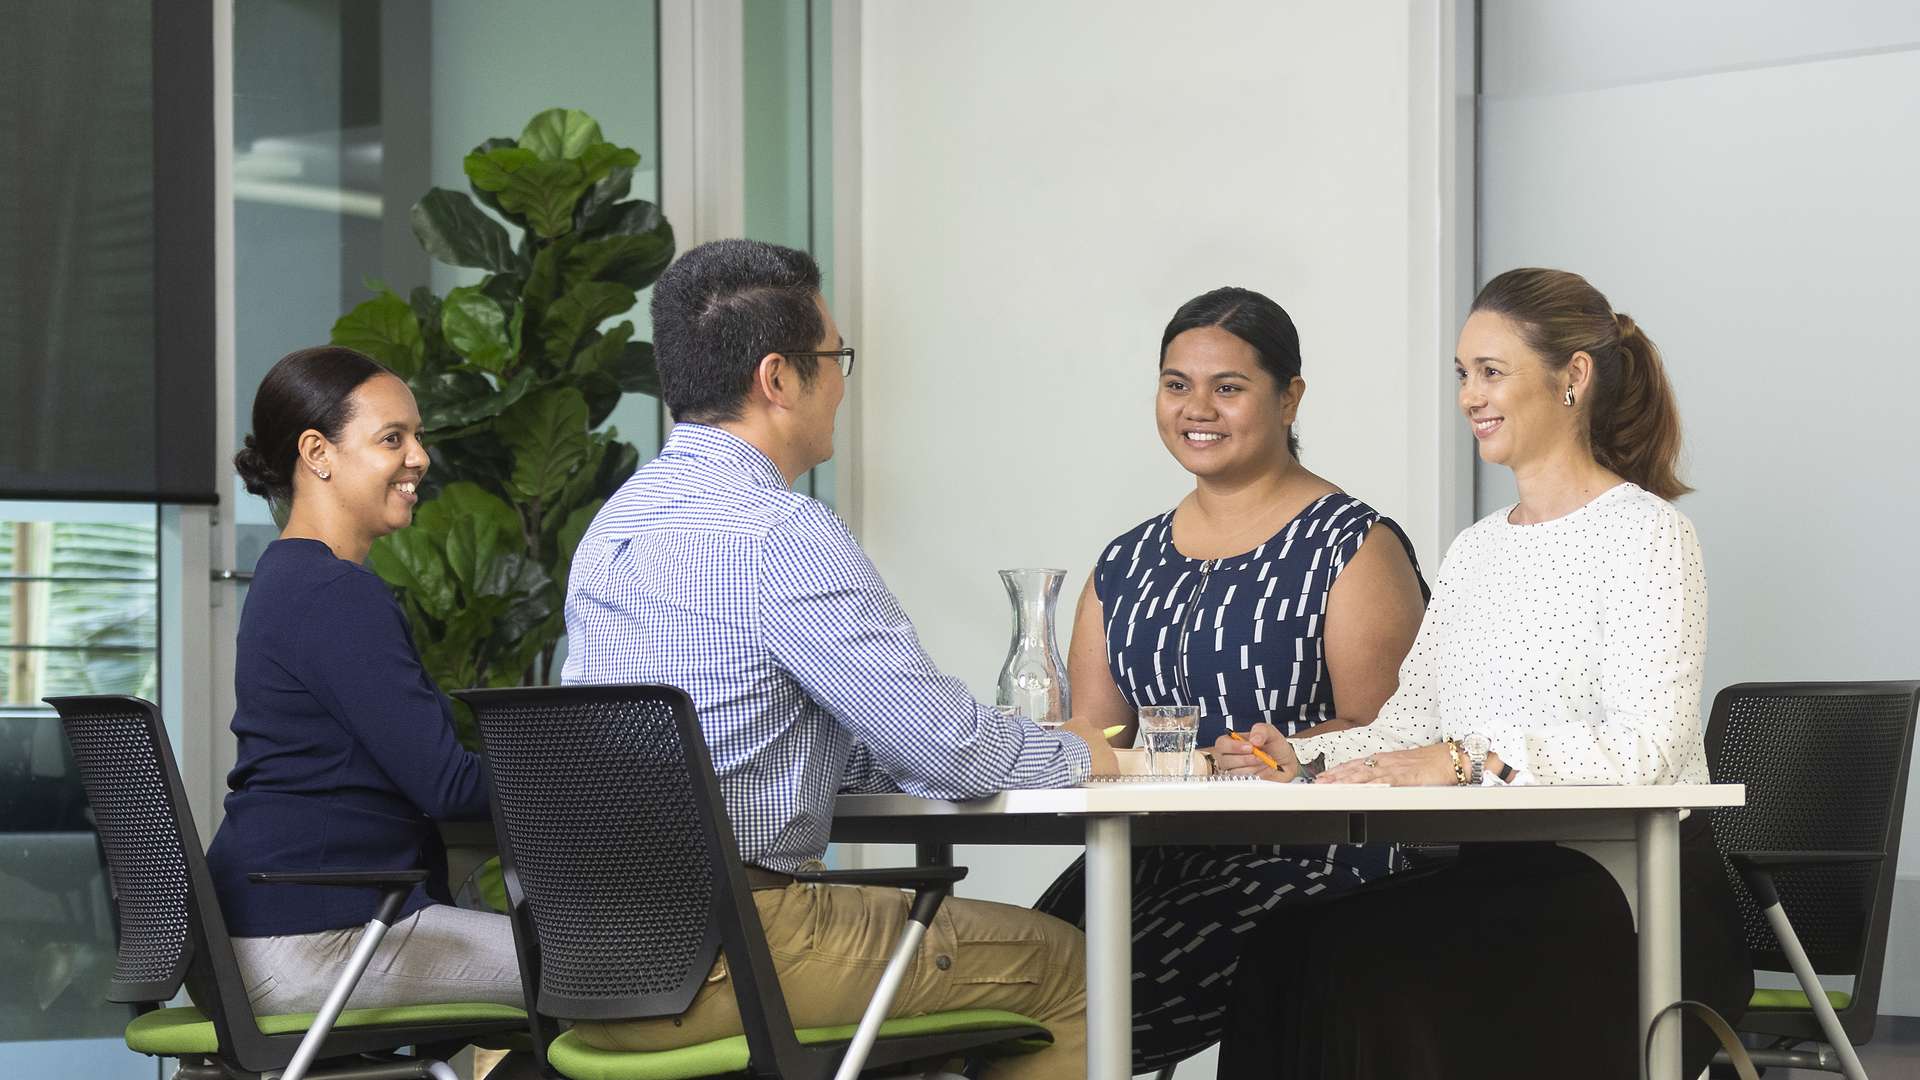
<point>375,467</point>
<point>1219,412</point>
<point>1513,399</point>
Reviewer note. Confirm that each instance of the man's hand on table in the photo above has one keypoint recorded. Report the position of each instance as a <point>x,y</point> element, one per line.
<point>1104,763</point>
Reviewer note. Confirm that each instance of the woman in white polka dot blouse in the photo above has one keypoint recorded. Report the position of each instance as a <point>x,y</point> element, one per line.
<point>1564,645</point>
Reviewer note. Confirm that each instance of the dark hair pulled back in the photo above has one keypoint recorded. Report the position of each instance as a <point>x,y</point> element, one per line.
<point>1633,422</point>
<point>309,389</point>
<point>1253,318</point>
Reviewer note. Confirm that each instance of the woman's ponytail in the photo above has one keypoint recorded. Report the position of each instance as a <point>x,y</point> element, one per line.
<point>1637,432</point>
<point>1633,423</point>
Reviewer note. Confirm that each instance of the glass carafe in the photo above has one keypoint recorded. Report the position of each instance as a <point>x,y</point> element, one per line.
<point>1034,680</point>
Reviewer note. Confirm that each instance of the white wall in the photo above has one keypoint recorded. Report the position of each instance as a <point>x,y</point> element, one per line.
<point>1741,178</point>
<point>1043,184</point>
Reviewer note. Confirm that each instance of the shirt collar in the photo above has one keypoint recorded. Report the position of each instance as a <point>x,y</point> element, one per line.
<point>706,441</point>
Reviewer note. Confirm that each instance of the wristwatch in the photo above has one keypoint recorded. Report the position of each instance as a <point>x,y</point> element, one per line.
<point>1476,748</point>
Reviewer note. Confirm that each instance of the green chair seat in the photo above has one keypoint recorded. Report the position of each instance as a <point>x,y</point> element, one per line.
<point>186,1030</point>
<point>1795,999</point>
<point>578,1061</point>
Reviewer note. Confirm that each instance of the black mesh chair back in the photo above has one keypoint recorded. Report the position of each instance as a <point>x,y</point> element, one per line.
<point>120,749</point>
<point>171,929</point>
<point>1825,766</point>
<point>605,800</point>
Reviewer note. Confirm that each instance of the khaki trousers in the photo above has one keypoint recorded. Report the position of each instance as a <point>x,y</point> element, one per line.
<point>830,944</point>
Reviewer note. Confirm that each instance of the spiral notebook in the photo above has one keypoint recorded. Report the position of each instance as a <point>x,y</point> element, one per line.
<point>1133,770</point>
<point>1150,778</point>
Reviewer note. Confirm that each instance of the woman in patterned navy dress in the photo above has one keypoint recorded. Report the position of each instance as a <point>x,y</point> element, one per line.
<point>1268,596</point>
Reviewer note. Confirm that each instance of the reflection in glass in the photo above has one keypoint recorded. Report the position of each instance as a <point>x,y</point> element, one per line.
<point>79,596</point>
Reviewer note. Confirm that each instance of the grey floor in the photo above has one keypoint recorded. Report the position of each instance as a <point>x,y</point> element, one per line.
<point>1894,1053</point>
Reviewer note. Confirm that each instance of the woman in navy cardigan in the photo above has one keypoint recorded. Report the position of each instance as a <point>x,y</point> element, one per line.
<point>347,754</point>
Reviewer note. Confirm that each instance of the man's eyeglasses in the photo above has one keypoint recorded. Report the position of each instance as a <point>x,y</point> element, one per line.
<point>843,356</point>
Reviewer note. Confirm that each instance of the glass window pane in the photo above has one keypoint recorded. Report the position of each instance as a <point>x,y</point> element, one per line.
<point>78,599</point>
<point>345,114</point>
<point>788,104</point>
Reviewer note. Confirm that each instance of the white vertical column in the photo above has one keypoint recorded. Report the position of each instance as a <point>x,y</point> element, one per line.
<point>702,125</point>
<point>1440,268</point>
<point>210,611</point>
<point>848,264</point>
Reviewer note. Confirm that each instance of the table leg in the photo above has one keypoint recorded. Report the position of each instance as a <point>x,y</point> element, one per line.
<point>1109,948</point>
<point>1658,836</point>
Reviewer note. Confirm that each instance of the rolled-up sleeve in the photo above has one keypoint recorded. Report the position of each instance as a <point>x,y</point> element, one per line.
<point>833,627</point>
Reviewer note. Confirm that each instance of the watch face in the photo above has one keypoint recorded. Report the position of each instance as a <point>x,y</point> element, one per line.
<point>1475,745</point>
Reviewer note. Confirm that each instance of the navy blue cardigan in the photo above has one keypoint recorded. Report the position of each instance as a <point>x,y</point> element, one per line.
<point>347,753</point>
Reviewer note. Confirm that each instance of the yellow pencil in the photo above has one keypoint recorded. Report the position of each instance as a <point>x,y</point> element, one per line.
<point>1257,752</point>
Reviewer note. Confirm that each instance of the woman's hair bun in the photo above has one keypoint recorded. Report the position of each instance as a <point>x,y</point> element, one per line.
<point>256,472</point>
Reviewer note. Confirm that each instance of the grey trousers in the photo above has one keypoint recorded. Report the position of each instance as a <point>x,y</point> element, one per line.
<point>439,955</point>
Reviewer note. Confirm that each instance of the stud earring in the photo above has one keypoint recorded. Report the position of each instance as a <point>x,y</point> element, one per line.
<point>322,473</point>
<point>1569,398</point>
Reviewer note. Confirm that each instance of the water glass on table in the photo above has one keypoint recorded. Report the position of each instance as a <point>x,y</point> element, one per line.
<point>1168,732</point>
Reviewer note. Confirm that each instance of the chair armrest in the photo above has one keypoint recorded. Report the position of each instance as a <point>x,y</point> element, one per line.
<point>905,877</point>
<point>1756,867</point>
<point>365,879</point>
<point>395,884</point>
<point>1772,860</point>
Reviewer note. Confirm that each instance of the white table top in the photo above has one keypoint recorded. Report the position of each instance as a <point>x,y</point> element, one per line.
<point>1258,795</point>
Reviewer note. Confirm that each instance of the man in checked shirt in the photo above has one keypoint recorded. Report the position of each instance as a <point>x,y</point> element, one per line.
<point>708,572</point>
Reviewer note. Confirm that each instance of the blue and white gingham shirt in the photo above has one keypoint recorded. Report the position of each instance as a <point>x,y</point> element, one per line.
<point>705,571</point>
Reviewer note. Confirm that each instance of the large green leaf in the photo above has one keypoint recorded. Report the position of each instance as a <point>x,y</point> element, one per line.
<point>473,544</point>
<point>602,394</point>
<point>455,400</point>
<point>465,499</point>
<point>577,311</point>
<point>492,165</point>
<point>468,627</point>
<point>412,559</point>
<point>601,352</point>
<point>547,432</point>
<point>487,198</point>
<point>619,463</point>
<point>544,191</point>
<point>383,328</point>
<point>628,364</point>
<point>591,213</point>
<point>475,454</point>
<point>523,616</point>
<point>437,357</point>
<point>478,330</point>
<point>634,369</point>
<point>560,133</point>
<point>513,575</point>
<point>632,246</point>
<point>571,530</point>
<point>458,233</point>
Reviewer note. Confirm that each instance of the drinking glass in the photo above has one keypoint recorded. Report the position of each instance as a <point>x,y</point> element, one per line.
<point>1168,732</point>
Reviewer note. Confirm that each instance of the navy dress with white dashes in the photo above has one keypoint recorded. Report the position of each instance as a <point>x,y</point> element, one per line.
<point>1244,638</point>
<point>1241,637</point>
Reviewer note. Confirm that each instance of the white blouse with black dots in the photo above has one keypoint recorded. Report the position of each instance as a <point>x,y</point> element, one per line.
<point>1575,646</point>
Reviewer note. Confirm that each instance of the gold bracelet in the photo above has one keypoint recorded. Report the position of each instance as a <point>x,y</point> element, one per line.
<point>1453,751</point>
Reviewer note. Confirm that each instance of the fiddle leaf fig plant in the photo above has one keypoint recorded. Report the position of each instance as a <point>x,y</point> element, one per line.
<point>514,376</point>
